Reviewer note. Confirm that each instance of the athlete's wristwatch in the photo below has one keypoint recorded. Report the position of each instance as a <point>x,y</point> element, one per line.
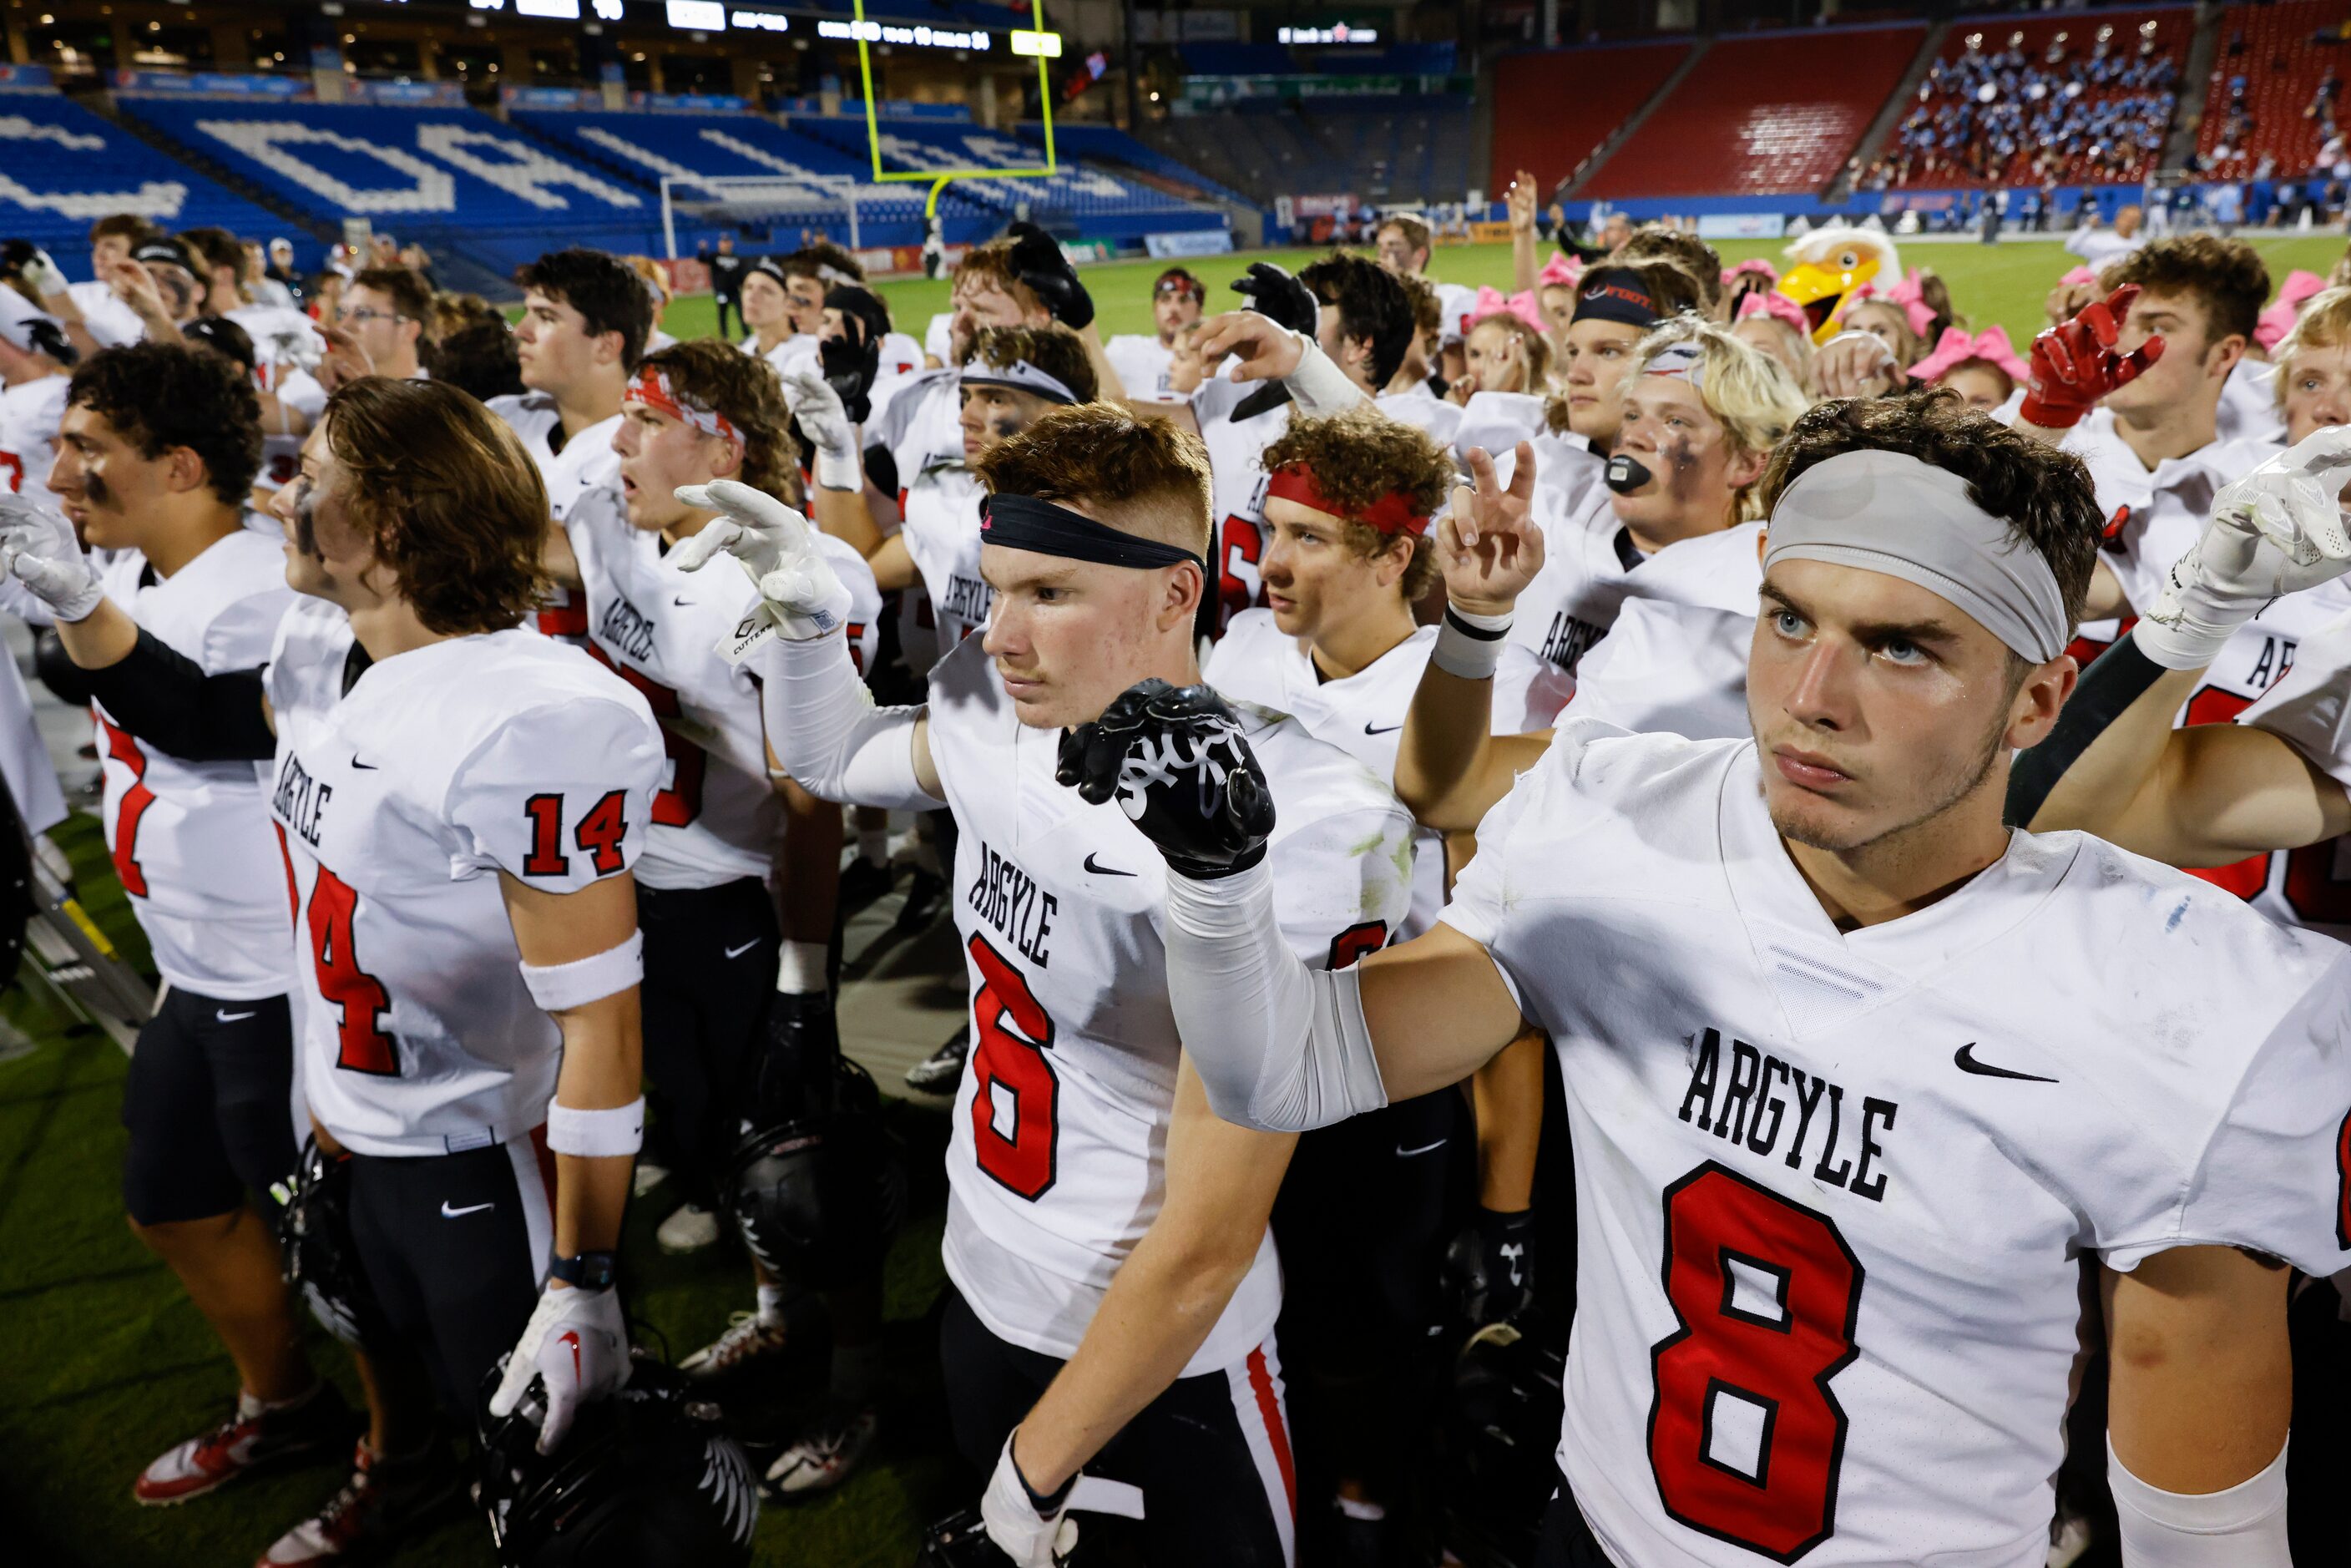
<point>585,1270</point>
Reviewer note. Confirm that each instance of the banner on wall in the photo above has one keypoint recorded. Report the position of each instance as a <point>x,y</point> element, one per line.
<point>1740,225</point>
<point>1193,242</point>
<point>190,83</point>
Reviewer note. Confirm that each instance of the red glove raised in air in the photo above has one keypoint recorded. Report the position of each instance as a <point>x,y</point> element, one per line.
<point>2074,364</point>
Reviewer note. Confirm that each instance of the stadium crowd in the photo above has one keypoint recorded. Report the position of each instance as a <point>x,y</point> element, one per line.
<point>1647,803</point>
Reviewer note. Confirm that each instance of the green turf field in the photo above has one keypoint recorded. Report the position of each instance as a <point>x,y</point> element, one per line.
<point>107,1364</point>
<point>2000,285</point>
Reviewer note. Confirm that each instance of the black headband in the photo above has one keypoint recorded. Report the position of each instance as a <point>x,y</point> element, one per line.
<point>1024,522</point>
<point>1614,294</point>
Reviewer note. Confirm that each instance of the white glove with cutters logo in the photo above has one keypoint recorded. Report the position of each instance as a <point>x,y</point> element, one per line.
<point>2278,530</point>
<point>800,596</point>
<point>1030,1538</point>
<point>827,423</point>
<point>577,1345</point>
<point>37,547</point>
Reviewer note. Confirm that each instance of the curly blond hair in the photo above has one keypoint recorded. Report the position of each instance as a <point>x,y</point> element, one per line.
<point>1747,390</point>
<point>1359,456</point>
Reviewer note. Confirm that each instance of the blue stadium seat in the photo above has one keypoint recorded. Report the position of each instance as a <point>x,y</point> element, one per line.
<point>1075,140</point>
<point>64,167</point>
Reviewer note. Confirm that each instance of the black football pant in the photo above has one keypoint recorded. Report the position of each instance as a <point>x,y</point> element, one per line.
<point>454,1248</point>
<point>1211,1453</point>
<point>1567,1541</point>
<point>209,1106</point>
<point>710,967</point>
<point>726,308</point>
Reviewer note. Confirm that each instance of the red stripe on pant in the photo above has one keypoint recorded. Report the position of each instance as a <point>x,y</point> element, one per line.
<point>1276,1429</point>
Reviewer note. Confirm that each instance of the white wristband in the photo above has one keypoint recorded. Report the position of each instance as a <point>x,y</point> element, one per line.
<point>596,1135</point>
<point>558,986</point>
<point>800,965</point>
<point>2244,1527</point>
<point>839,470</point>
<point>1318,385</point>
<point>1469,646</point>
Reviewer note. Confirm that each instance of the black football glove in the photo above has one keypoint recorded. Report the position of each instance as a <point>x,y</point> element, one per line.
<point>1175,759</point>
<point>850,363</point>
<point>1038,261</point>
<point>1491,1266</point>
<point>1276,292</point>
<point>793,1057</point>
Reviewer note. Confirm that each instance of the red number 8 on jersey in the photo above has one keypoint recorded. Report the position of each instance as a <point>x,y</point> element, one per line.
<point>1745,1435</point>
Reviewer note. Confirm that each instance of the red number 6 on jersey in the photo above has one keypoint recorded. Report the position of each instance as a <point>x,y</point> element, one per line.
<point>1007,1063</point>
<point>1745,1435</point>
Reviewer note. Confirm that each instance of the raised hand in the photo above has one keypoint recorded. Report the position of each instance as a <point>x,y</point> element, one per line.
<point>1261,348</point>
<point>799,594</point>
<point>2279,530</point>
<point>1276,292</point>
<point>2076,363</point>
<point>1856,364</point>
<point>1489,544</point>
<point>816,405</point>
<point>1521,199</point>
<point>38,548</point>
<point>1174,760</point>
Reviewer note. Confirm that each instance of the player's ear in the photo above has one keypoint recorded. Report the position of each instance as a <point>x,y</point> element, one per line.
<point>2040,697</point>
<point>184,471</point>
<point>1180,596</point>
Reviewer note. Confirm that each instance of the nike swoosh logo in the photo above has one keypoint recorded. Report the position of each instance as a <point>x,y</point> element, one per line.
<point>738,952</point>
<point>681,603</point>
<point>1404,1154</point>
<point>449,1213</point>
<point>1105,870</point>
<point>571,1338</point>
<point>1384,729</point>
<point>362,767</point>
<point>1965,1059</point>
<point>232,1018</point>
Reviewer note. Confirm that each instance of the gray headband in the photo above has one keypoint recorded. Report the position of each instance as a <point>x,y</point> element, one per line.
<point>1891,513</point>
<point>1685,358</point>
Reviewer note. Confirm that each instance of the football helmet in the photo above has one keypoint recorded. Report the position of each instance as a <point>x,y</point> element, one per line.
<point>314,1233</point>
<point>816,1189</point>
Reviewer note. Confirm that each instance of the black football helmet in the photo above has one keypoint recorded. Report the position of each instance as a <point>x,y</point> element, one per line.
<point>816,1189</point>
<point>314,1234</point>
<point>644,1479</point>
<point>1502,1432</point>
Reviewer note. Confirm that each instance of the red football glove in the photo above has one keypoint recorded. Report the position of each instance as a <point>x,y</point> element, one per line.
<point>2074,364</point>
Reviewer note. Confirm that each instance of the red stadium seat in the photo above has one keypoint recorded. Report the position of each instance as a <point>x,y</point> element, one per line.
<point>2282,64</point>
<point>1553,109</point>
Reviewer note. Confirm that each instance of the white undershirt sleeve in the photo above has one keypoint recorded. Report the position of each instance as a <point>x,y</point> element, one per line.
<point>827,733</point>
<point>2244,1527</point>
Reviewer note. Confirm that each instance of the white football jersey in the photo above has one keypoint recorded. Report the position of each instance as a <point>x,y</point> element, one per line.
<point>1459,302</point>
<point>2158,518</point>
<point>1591,567</point>
<point>583,463</point>
<point>191,840</point>
<point>110,320</point>
<point>1143,364</point>
<point>921,426</point>
<point>1237,475</point>
<point>2249,410</point>
<point>1498,421</point>
<point>2311,707</point>
<point>30,413</point>
<point>715,817</point>
<point>1054,1163</point>
<point>798,352</point>
<point>297,391</point>
<point>941,528</point>
<point>1423,410</point>
<point>1364,714</point>
<point>1834,1187</point>
<point>282,336</point>
<point>395,802</point>
<point>938,337</point>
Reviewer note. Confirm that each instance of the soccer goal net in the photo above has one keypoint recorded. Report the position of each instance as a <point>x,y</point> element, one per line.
<point>753,201</point>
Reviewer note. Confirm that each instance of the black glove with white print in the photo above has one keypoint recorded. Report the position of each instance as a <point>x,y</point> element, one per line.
<point>1174,760</point>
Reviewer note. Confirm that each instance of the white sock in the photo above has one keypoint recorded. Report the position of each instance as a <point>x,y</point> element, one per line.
<point>772,1298</point>
<point>873,845</point>
<point>249,1406</point>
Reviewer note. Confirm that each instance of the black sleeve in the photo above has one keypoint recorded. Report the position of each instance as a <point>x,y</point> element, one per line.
<point>882,468</point>
<point>166,700</point>
<point>2116,679</point>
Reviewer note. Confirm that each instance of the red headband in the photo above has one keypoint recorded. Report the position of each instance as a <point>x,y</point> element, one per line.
<point>651,387</point>
<point>1393,513</point>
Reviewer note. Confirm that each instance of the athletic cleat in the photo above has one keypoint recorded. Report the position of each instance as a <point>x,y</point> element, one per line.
<point>749,1337</point>
<point>252,1438</point>
<point>647,1177</point>
<point>825,1455</point>
<point>380,1505</point>
<point>690,1230</point>
<point>939,1072</point>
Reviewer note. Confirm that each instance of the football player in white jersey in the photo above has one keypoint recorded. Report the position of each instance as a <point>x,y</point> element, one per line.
<point>584,323</point>
<point>1364,1214</point>
<point>1404,246</point>
<point>94,312</point>
<point>766,309</point>
<point>1857,1074</point>
<point>1144,363</point>
<point>1106,1238</point>
<point>385,310</point>
<point>723,978</point>
<point>458,802</point>
<point>159,450</point>
<point>34,355</point>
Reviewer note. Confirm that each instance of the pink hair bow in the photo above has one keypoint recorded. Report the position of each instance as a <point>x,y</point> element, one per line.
<point>1754,264</point>
<point>2079,274</point>
<point>1909,294</point>
<point>1956,347</point>
<point>1779,307</point>
<point>1493,302</point>
<point>2279,318</point>
<point>1560,268</point>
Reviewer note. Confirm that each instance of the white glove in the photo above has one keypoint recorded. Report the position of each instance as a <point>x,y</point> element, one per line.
<point>48,279</point>
<point>577,1345</point>
<point>799,594</point>
<point>1318,385</point>
<point>37,547</point>
<point>2278,530</point>
<point>1030,1538</point>
<point>827,423</point>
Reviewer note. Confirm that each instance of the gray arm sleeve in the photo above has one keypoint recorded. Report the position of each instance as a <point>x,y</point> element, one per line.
<point>1278,1046</point>
<point>827,733</point>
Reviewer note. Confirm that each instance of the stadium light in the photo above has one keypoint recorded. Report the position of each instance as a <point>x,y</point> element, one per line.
<point>1044,45</point>
<point>698,15</point>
